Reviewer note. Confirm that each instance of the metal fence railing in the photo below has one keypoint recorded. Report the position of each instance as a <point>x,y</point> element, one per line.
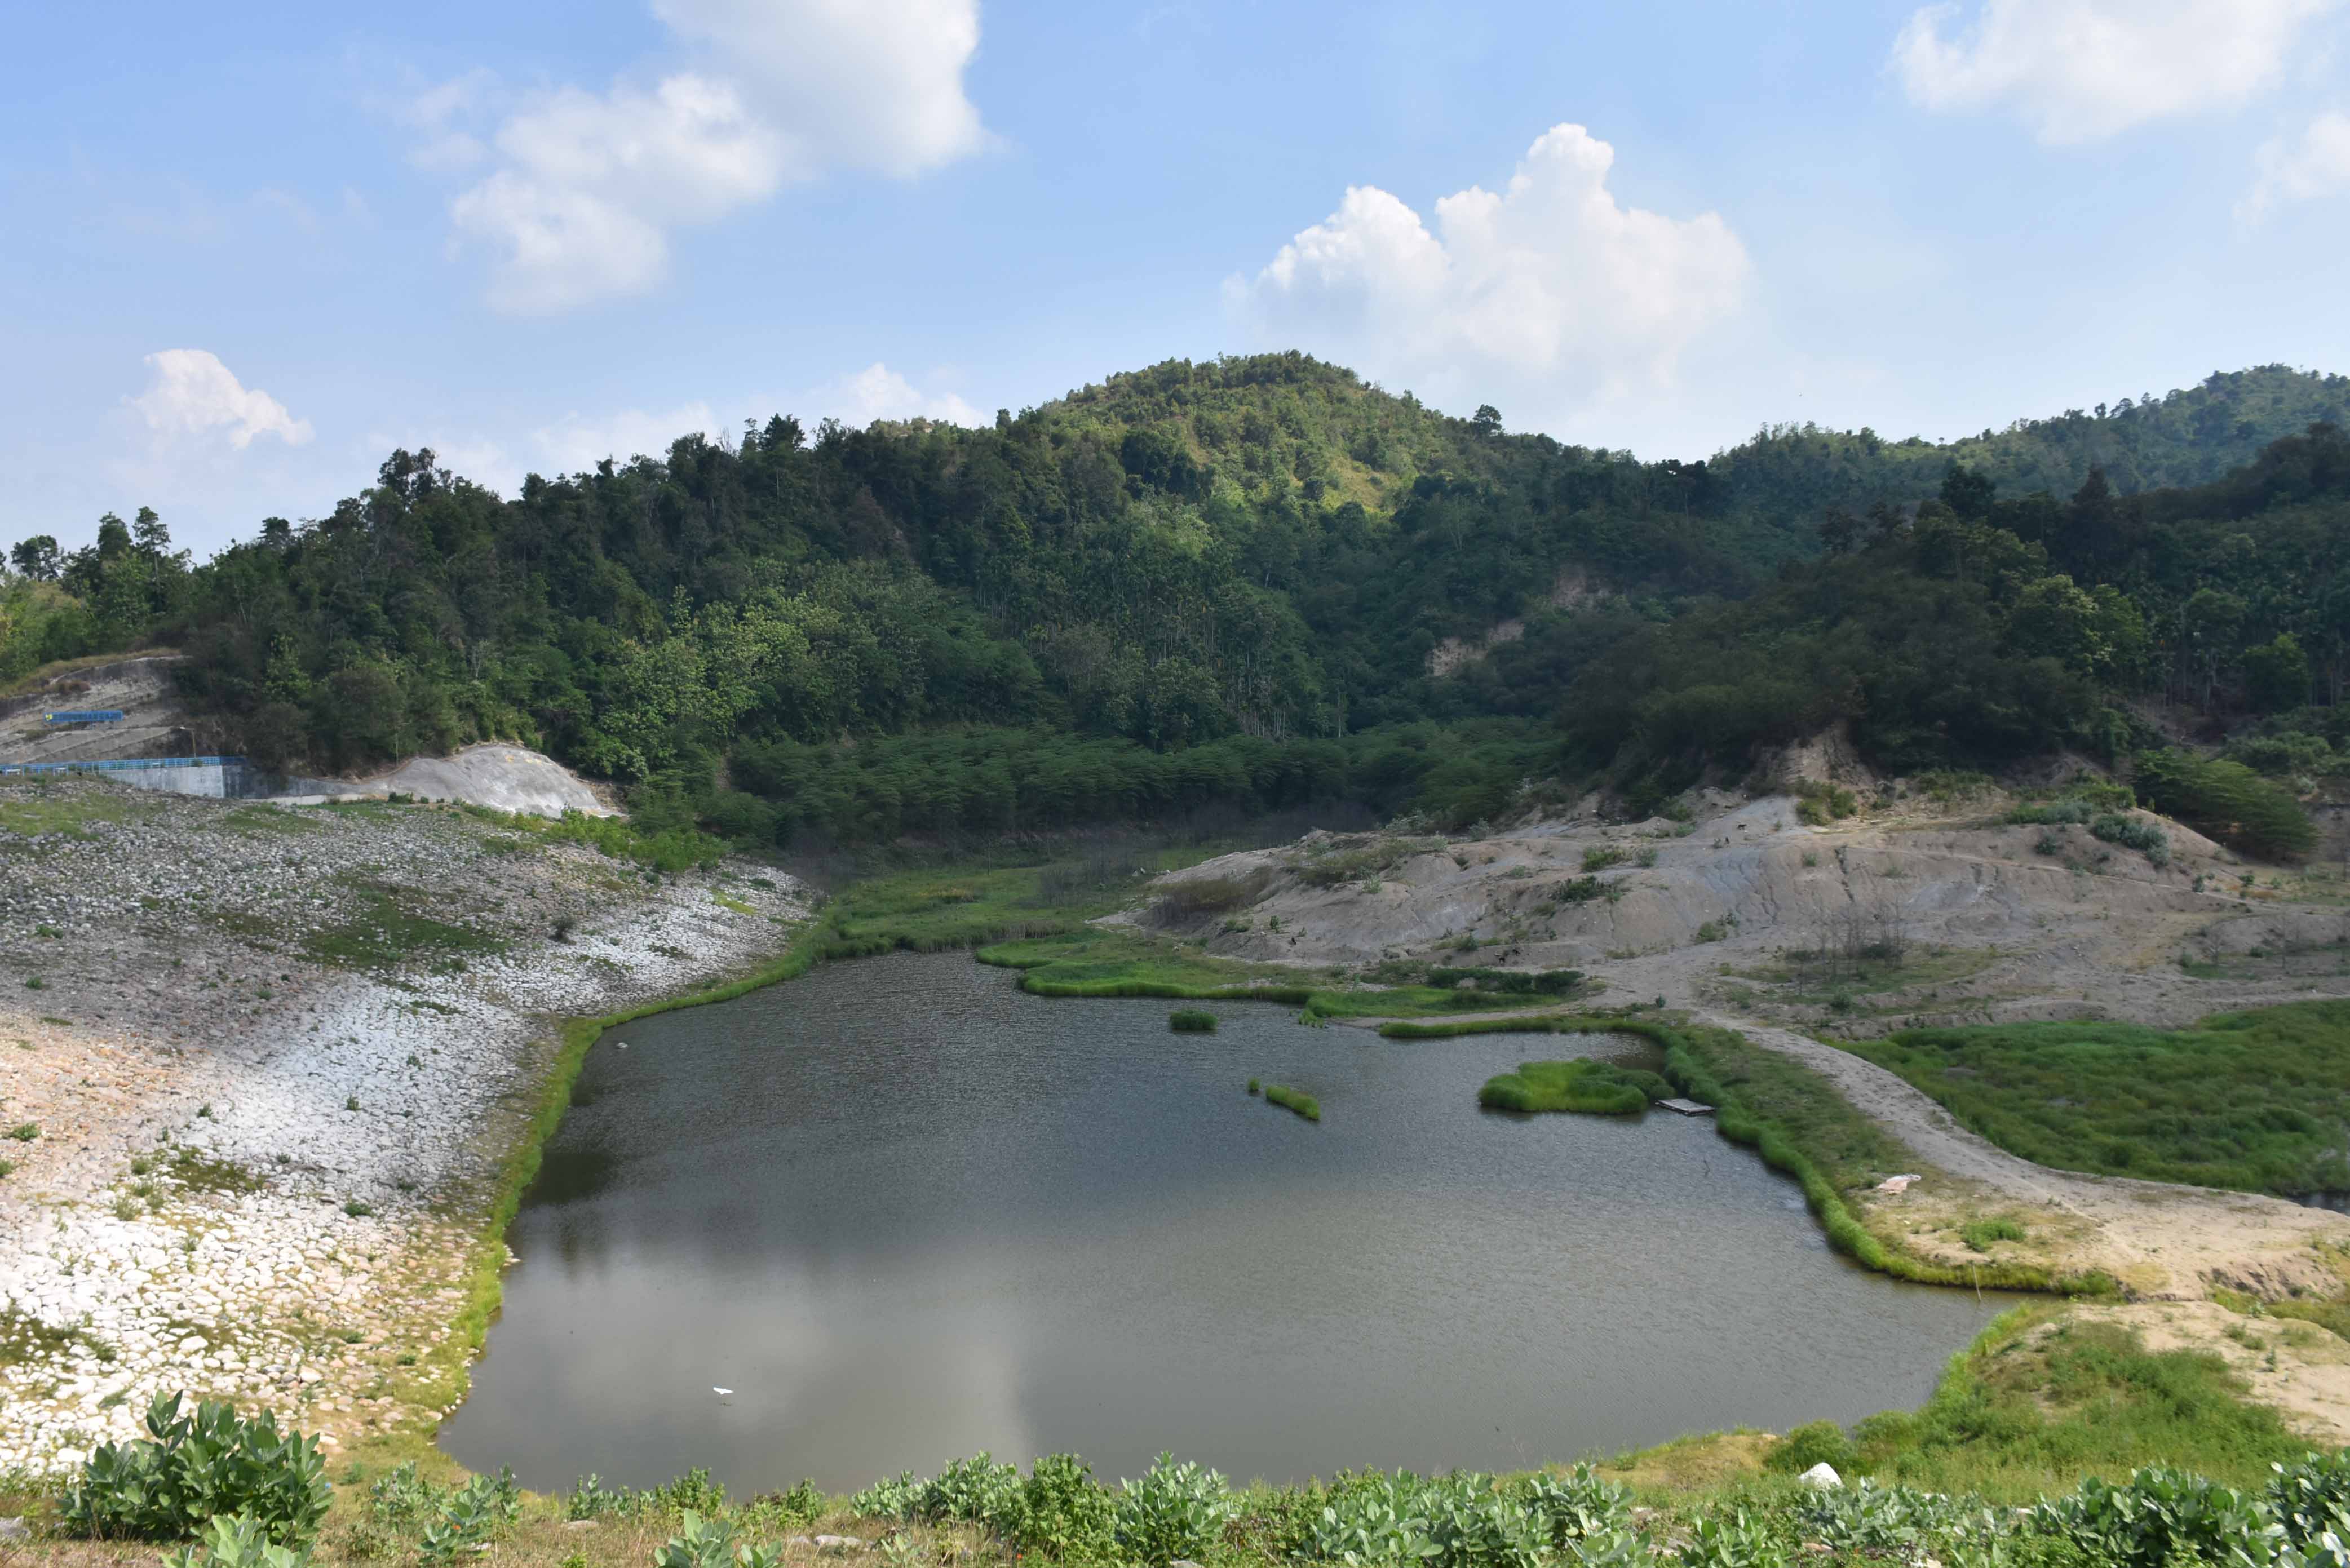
<point>121,765</point>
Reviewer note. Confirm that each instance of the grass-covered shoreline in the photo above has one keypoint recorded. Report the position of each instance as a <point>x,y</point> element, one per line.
<point>2253,1101</point>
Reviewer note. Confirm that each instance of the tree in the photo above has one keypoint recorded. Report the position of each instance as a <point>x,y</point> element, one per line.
<point>1486,421</point>
<point>149,537</point>
<point>1968,491</point>
<point>37,558</point>
<point>2276,674</point>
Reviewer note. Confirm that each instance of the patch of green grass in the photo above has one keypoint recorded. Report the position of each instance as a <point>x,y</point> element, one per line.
<point>2254,1100</point>
<point>1090,962</point>
<point>67,816</point>
<point>1980,1234</point>
<point>1293,1100</point>
<point>262,821</point>
<point>1581,1085</point>
<point>203,1173</point>
<point>385,931</point>
<point>2031,1408</point>
<point>963,906</point>
<point>1191,1021</point>
<point>737,905</point>
<point>25,1338</point>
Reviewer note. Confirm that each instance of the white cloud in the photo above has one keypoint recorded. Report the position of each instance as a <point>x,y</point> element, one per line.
<point>1549,292</point>
<point>576,445</point>
<point>2080,70</point>
<point>192,396</point>
<point>852,84</point>
<point>878,392</point>
<point>585,187</point>
<point>2317,164</point>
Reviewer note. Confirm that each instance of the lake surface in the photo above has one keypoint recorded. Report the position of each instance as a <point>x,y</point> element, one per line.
<point>908,1212</point>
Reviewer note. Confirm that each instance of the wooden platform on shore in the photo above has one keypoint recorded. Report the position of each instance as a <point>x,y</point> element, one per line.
<point>1685,1107</point>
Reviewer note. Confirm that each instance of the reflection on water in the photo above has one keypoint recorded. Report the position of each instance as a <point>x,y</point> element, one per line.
<point>908,1212</point>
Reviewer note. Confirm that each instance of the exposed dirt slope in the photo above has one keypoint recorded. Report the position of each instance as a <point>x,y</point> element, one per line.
<point>153,723</point>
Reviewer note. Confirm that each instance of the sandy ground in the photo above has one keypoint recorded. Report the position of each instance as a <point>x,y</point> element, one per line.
<point>2300,1368</point>
<point>273,1061</point>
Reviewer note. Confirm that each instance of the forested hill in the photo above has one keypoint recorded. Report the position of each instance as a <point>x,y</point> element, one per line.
<point>1194,583</point>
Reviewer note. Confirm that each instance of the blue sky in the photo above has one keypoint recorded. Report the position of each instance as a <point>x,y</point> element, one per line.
<point>247,250</point>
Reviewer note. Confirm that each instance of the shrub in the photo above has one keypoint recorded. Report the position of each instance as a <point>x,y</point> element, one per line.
<point>891,1499</point>
<point>471,1516</point>
<point>2228,801</point>
<point>1600,857</point>
<point>1175,1510</point>
<point>1812,1443</point>
<point>25,1132</point>
<point>1064,1514</point>
<point>234,1540</point>
<point>190,1467</point>
<point>1191,1021</point>
<point>2311,1496</point>
<point>2133,832</point>
<point>401,1500</point>
<point>2060,813</point>
<point>2161,1516</point>
<point>976,1489</point>
<point>705,1543</point>
<point>1819,804</point>
<point>1581,890</point>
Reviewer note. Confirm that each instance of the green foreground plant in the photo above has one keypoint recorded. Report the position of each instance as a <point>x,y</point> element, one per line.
<point>196,1466</point>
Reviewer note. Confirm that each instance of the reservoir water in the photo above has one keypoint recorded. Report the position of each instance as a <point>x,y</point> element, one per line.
<point>907,1213</point>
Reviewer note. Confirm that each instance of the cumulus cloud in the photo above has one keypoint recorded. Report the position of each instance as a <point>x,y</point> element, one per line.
<point>1548,289</point>
<point>2316,163</point>
<point>878,392</point>
<point>190,395</point>
<point>2080,70</point>
<point>583,189</point>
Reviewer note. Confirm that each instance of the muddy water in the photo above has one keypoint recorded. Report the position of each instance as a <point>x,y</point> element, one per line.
<point>906,1212</point>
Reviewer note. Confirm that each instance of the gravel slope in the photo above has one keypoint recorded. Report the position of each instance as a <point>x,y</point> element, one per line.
<point>273,1059</point>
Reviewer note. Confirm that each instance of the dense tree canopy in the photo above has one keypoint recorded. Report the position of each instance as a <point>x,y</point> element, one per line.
<point>1256,581</point>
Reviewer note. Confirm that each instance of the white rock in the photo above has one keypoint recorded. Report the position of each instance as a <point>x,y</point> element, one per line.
<point>1823,1476</point>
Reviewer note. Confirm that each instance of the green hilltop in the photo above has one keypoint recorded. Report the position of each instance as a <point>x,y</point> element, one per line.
<point>1246,585</point>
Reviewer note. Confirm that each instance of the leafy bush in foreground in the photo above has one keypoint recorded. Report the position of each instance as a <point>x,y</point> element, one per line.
<point>1174,1510</point>
<point>193,1468</point>
<point>234,1540</point>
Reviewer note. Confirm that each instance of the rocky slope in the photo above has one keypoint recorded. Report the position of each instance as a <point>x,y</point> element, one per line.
<point>264,1064</point>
